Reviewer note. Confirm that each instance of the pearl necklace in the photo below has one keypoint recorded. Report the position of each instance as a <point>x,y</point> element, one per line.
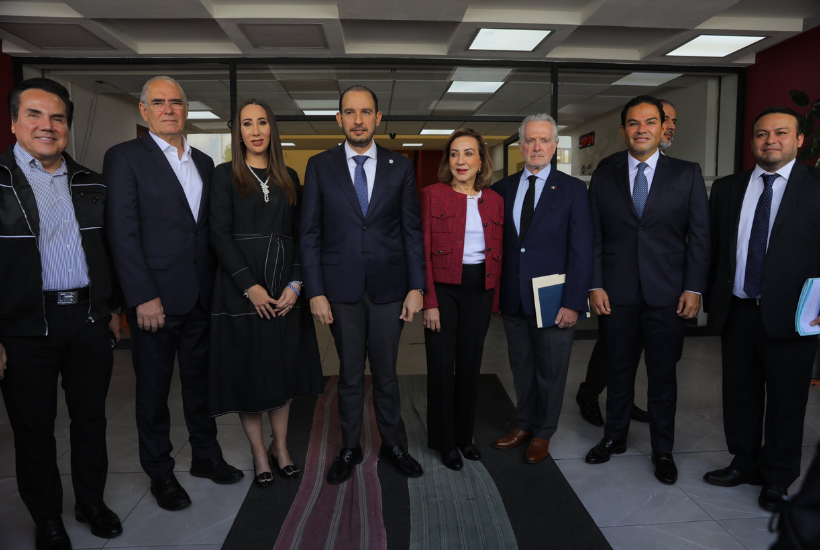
<point>262,184</point>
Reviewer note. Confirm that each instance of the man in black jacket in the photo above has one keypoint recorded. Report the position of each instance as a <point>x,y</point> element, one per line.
<point>56,310</point>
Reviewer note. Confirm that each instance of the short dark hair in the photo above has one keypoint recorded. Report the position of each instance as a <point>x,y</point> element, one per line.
<point>779,109</point>
<point>639,100</point>
<point>359,88</point>
<point>45,84</point>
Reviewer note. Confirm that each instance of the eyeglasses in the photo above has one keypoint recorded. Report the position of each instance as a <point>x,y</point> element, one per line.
<point>159,104</point>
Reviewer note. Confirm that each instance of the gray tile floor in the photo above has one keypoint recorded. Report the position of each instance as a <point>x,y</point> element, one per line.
<point>623,497</point>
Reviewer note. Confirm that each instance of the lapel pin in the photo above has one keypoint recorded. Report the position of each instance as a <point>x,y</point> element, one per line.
<point>391,161</point>
<point>552,187</point>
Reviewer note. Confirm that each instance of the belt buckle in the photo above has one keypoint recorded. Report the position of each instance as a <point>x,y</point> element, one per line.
<point>67,298</point>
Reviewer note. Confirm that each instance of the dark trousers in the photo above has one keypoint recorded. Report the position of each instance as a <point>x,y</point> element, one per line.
<point>539,359</point>
<point>365,330</point>
<point>660,330</point>
<point>764,374</point>
<point>454,359</point>
<point>80,352</point>
<point>597,368</point>
<point>185,337</point>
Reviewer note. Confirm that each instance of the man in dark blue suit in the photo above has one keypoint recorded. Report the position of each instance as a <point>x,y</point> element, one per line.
<point>157,215</point>
<point>650,267</point>
<point>363,262</point>
<point>547,230</point>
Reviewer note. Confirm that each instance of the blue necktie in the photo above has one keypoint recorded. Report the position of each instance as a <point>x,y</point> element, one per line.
<point>640,189</point>
<point>759,238</point>
<point>360,182</point>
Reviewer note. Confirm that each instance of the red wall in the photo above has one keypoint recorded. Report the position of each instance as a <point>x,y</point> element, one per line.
<point>427,167</point>
<point>6,84</point>
<point>793,64</point>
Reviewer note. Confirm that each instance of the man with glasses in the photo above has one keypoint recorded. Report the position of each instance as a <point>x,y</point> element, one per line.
<point>158,228</point>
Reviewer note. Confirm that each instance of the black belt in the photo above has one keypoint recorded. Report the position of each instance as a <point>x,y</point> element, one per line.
<point>751,301</point>
<point>66,297</point>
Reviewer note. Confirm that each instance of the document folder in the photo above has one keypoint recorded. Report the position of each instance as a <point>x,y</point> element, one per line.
<point>808,308</point>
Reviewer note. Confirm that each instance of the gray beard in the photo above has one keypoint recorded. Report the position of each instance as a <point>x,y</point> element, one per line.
<point>663,145</point>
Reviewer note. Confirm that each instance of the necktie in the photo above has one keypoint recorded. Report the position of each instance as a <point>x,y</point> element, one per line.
<point>640,189</point>
<point>528,208</point>
<point>360,182</point>
<point>759,238</point>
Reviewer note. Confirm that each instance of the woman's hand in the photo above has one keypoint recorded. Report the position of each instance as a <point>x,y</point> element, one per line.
<point>287,300</point>
<point>432,319</point>
<point>261,301</point>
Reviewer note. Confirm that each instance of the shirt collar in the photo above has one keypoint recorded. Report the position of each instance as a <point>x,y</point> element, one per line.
<point>541,175</point>
<point>350,153</point>
<point>651,161</point>
<point>164,145</point>
<point>784,172</point>
<point>23,158</point>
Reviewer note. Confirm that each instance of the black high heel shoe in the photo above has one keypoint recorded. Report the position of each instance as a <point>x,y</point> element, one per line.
<point>291,471</point>
<point>263,480</point>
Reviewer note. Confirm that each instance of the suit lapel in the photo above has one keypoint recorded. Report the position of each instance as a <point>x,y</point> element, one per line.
<point>511,190</point>
<point>622,183</point>
<point>206,184</point>
<point>547,196</point>
<point>383,169</point>
<point>791,197</point>
<point>342,175</point>
<point>159,160</point>
<point>659,181</point>
<point>738,193</point>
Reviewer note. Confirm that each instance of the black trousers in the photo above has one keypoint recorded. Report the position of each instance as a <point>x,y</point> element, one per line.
<point>597,368</point>
<point>80,352</point>
<point>366,330</point>
<point>660,330</point>
<point>185,337</point>
<point>454,358</point>
<point>764,374</point>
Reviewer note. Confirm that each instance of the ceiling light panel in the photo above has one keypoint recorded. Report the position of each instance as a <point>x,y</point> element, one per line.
<point>320,112</point>
<point>714,45</point>
<point>511,40</point>
<point>317,104</point>
<point>646,79</point>
<point>434,132</point>
<point>461,87</point>
<point>202,115</point>
<point>412,144</point>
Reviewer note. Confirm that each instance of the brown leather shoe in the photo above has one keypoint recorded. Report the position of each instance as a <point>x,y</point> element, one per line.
<point>512,440</point>
<point>538,450</point>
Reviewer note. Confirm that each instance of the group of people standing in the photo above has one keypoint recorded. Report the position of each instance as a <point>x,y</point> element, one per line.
<point>216,268</point>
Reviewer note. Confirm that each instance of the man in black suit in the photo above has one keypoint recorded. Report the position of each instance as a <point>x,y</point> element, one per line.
<point>362,256</point>
<point>765,244</point>
<point>158,228</point>
<point>650,267</point>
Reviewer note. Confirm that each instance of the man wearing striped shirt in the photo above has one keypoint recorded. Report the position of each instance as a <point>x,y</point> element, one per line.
<point>56,301</point>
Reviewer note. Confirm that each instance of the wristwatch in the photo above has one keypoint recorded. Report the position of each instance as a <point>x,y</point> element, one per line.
<point>421,291</point>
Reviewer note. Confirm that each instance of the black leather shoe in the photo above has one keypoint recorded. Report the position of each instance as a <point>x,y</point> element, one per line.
<point>401,459</point>
<point>104,523</point>
<point>665,469</point>
<point>470,452</point>
<point>729,477</point>
<point>217,470</point>
<point>452,460</point>
<point>638,414</point>
<point>772,497</point>
<point>590,411</point>
<point>51,535</point>
<point>169,493</point>
<point>342,467</point>
<point>604,450</point>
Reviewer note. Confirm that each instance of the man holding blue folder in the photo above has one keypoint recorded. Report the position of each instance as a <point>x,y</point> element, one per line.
<point>547,231</point>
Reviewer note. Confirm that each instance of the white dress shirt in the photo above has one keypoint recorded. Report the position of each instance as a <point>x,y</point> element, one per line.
<point>369,166</point>
<point>649,171</point>
<point>747,216</point>
<point>523,185</point>
<point>473,233</point>
<point>185,170</point>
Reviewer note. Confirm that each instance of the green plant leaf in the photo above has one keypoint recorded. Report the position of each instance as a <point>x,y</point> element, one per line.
<point>800,97</point>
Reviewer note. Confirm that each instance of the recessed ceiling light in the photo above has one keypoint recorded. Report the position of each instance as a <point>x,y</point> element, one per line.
<point>320,113</point>
<point>480,74</point>
<point>412,144</point>
<point>714,45</point>
<point>317,104</point>
<point>288,144</point>
<point>511,40</point>
<point>646,79</point>
<point>462,87</point>
<point>514,144</point>
<point>202,115</point>
<point>433,132</point>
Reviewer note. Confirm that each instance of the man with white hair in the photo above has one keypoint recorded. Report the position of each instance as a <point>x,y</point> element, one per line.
<point>157,216</point>
<point>547,230</point>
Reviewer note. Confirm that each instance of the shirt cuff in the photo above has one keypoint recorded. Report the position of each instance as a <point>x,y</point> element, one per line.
<point>693,292</point>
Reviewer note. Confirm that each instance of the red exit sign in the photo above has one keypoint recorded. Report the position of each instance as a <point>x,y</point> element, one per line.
<point>587,140</point>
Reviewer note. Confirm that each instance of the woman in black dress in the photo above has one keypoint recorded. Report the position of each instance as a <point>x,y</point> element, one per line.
<point>263,348</point>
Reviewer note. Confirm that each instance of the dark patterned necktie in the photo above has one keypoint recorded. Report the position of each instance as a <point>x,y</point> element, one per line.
<point>759,238</point>
<point>360,182</point>
<point>640,189</point>
<point>528,208</point>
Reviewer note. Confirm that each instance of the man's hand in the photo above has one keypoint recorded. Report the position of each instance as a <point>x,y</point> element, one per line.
<point>320,308</point>
<point>599,301</point>
<point>566,318</point>
<point>412,305</point>
<point>813,323</point>
<point>688,305</point>
<point>150,315</point>
<point>432,319</point>
<point>115,326</point>
<point>3,361</point>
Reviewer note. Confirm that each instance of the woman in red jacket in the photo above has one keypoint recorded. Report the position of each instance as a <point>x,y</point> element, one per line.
<point>463,221</point>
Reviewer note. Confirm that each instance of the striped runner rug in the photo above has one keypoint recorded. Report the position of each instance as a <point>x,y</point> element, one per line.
<point>342,516</point>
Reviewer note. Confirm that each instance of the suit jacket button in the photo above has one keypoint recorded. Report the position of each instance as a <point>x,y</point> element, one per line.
<point>441,252</point>
<point>442,215</point>
<point>488,274</point>
<point>486,224</point>
<point>523,250</point>
<point>364,228</point>
<point>489,248</point>
<point>362,252</point>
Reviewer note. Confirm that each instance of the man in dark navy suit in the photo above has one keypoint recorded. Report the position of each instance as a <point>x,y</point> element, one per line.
<point>157,212</point>
<point>362,257</point>
<point>650,267</point>
<point>547,231</point>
